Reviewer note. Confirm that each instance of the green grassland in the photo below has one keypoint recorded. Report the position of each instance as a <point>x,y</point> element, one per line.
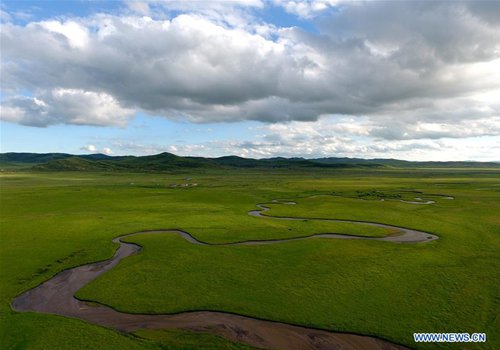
<point>52,221</point>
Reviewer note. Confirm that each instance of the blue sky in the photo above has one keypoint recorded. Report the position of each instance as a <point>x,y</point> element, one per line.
<point>416,81</point>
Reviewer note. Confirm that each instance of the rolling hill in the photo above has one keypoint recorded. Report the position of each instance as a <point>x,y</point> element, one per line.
<point>168,161</point>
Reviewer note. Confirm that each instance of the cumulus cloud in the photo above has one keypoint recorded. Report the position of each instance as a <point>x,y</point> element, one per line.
<point>406,70</point>
<point>234,13</point>
<point>329,136</point>
<point>94,149</point>
<point>90,148</point>
<point>141,148</point>
<point>341,137</point>
<point>432,130</point>
<point>306,8</point>
<point>70,106</point>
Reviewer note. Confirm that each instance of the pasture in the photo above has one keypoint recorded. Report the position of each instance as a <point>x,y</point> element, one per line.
<point>54,221</point>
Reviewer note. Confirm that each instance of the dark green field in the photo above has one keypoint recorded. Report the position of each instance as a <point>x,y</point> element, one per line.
<point>51,221</point>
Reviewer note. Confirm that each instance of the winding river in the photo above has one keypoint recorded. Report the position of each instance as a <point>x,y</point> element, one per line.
<point>56,296</point>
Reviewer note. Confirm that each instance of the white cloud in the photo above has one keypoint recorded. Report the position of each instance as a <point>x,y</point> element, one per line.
<point>234,13</point>
<point>90,148</point>
<point>306,8</point>
<point>75,33</point>
<point>107,151</point>
<point>140,148</point>
<point>332,136</point>
<point>395,71</point>
<point>94,149</point>
<point>70,106</point>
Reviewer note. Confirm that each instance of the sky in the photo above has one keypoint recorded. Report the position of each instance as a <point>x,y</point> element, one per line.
<point>369,79</point>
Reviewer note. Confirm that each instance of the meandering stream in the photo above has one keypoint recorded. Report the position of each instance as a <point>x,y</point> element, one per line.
<point>56,296</point>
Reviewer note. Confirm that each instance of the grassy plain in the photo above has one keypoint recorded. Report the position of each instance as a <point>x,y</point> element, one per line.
<point>52,221</point>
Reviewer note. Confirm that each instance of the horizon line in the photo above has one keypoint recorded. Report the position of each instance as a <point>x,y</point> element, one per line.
<point>263,158</point>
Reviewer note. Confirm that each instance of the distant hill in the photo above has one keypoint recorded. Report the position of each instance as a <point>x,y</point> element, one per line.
<point>240,162</point>
<point>74,163</point>
<point>407,164</point>
<point>168,161</point>
<point>31,158</point>
<point>159,162</point>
